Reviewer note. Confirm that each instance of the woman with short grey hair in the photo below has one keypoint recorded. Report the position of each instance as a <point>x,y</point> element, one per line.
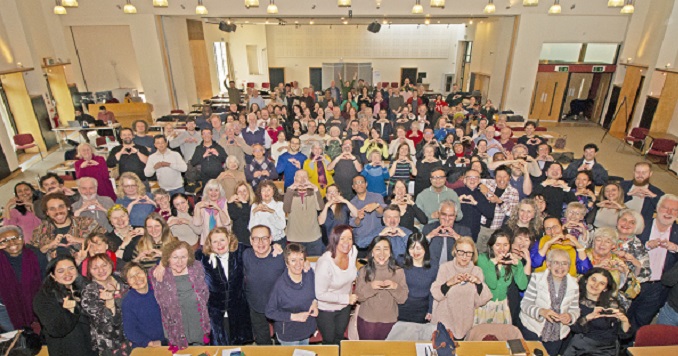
<point>630,224</point>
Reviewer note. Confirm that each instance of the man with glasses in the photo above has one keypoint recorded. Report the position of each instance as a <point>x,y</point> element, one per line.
<point>474,204</point>
<point>429,199</point>
<point>443,234</point>
<point>660,237</point>
<point>555,238</point>
<point>21,268</point>
<point>262,268</point>
<point>367,225</point>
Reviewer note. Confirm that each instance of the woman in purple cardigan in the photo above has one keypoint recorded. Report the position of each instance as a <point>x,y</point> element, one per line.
<point>91,165</point>
<point>182,295</point>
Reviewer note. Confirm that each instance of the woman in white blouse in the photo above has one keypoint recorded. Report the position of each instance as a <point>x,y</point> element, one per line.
<point>334,276</point>
<point>268,210</point>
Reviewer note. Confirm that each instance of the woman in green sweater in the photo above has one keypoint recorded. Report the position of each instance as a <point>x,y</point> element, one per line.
<point>499,267</point>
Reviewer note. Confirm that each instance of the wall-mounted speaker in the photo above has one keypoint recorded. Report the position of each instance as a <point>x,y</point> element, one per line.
<point>374,27</point>
<point>227,27</point>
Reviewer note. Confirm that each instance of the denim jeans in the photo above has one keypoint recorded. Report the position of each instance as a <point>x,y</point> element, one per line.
<point>294,343</point>
<point>5,322</point>
<point>667,316</point>
<point>175,191</point>
<point>314,248</point>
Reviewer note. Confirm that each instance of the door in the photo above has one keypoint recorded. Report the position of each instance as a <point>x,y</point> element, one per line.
<point>41,113</point>
<point>548,96</point>
<point>410,73</point>
<point>538,96</point>
<point>316,78</point>
<point>577,89</point>
<point>19,103</point>
<point>648,112</point>
<point>600,88</point>
<point>61,93</point>
<point>276,76</point>
<point>611,108</point>
<point>481,83</point>
<point>627,100</point>
<point>667,104</point>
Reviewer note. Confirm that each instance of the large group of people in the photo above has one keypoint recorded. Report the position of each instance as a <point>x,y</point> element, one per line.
<point>413,210</point>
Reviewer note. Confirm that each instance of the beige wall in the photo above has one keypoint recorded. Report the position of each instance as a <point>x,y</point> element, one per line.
<point>491,46</point>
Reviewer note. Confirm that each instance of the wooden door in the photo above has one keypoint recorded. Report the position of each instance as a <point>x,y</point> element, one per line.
<point>201,67</point>
<point>603,87</point>
<point>667,104</point>
<point>577,89</point>
<point>481,82</point>
<point>627,101</point>
<point>22,108</point>
<point>538,96</point>
<point>61,93</point>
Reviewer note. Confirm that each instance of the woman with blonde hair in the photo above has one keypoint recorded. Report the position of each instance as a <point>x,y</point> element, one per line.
<point>459,289</point>
<point>525,214</point>
<point>221,258</point>
<point>212,211</point>
<point>91,165</point>
<point>610,203</point>
<point>133,196</point>
<point>148,248</point>
<point>239,206</point>
<point>316,167</point>
<point>602,254</point>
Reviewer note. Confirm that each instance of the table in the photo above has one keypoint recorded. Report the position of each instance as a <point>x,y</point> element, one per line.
<point>127,113</point>
<point>654,351</point>
<point>407,348</point>
<point>65,129</point>
<point>320,350</point>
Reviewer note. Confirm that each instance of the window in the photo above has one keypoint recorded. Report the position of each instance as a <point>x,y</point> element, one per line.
<point>253,60</point>
<point>221,59</point>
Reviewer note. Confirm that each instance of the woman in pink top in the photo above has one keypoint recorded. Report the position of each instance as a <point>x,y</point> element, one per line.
<point>91,165</point>
<point>20,210</point>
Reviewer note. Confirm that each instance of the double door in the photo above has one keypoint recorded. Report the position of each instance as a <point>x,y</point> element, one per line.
<point>547,98</point>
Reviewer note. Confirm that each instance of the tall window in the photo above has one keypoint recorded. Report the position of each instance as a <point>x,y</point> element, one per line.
<point>221,58</point>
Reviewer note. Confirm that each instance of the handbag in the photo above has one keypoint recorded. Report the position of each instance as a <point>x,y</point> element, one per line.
<point>561,142</point>
<point>632,286</point>
<point>443,341</point>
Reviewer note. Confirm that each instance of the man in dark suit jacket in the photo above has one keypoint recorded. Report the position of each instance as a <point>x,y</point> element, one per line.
<point>660,237</point>
<point>639,194</point>
<point>474,204</point>
<point>443,234</point>
<point>586,163</point>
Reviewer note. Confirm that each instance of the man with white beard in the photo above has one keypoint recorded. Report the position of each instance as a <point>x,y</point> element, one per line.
<point>92,205</point>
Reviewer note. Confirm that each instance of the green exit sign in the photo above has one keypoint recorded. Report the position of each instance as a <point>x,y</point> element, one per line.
<point>562,69</point>
<point>598,69</point>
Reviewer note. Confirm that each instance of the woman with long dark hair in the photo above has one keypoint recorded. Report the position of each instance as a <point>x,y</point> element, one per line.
<point>602,323</point>
<point>500,268</point>
<point>57,305</point>
<point>419,275</point>
<point>380,287</point>
<point>181,222</point>
<point>20,210</point>
<point>334,276</point>
<point>337,210</point>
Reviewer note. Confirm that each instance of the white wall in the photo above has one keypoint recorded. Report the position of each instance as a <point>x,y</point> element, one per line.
<point>536,29</point>
<point>491,46</point>
<point>176,33</point>
<point>106,57</point>
<point>432,49</point>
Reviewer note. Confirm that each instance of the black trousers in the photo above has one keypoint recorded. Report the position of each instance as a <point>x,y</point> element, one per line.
<point>647,304</point>
<point>332,325</point>
<point>582,345</point>
<point>260,328</point>
<point>553,348</point>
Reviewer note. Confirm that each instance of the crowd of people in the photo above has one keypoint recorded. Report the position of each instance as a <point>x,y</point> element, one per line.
<point>414,210</point>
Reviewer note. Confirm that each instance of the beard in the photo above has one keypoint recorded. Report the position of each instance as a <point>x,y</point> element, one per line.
<point>641,183</point>
<point>127,141</point>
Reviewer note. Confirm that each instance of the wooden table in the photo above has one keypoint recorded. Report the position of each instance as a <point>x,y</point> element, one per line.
<point>654,351</point>
<point>65,129</point>
<point>320,350</point>
<point>407,348</point>
<point>127,113</point>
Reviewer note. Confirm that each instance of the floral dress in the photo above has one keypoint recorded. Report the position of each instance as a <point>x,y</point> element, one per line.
<point>105,327</point>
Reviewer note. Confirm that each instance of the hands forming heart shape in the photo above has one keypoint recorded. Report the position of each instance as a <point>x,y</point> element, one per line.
<point>467,199</point>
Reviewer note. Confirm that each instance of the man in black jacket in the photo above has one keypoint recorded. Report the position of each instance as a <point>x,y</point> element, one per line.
<point>474,204</point>
<point>209,156</point>
<point>129,157</point>
<point>587,163</point>
<point>639,194</point>
<point>660,237</point>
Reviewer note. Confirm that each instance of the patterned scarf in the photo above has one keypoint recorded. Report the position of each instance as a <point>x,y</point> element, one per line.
<point>551,330</point>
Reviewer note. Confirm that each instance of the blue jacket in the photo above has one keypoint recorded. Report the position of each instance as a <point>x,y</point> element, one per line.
<point>288,169</point>
<point>141,318</point>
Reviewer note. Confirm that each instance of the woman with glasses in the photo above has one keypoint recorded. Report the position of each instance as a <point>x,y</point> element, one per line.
<point>123,233</point>
<point>551,303</point>
<point>101,301</point>
<point>574,221</point>
<point>380,287</point>
<point>183,296</point>
<point>557,238</point>
<point>419,275</point>
<point>141,318</point>
<point>629,248</point>
<point>132,195</point>
<point>267,210</point>
<point>65,325</point>
<point>459,289</point>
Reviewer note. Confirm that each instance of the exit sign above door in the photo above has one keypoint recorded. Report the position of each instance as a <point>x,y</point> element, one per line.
<point>598,69</point>
<point>562,68</point>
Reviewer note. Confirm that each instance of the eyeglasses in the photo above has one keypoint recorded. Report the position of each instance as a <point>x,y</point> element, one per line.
<point>260,239</point>
<point>438,177</point>
<point>360,182</point>
<point>10,239</point>
<point>560,263</point>
<point>472,177</point>
<point>461,253</point>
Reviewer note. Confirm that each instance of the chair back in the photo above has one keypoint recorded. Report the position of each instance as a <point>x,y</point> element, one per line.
<point>502,332</point>
<point>663,145</point>
<point>23,139</point>
<point>657,335</point>
<point>266,86</point>
<point>250,85</point>
<point>639,132</point>
<point>177,111</point>
<point>394,85</point>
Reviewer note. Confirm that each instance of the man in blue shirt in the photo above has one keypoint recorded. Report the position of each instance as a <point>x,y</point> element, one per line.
<point>291,161</point>
<point>367,225</point>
